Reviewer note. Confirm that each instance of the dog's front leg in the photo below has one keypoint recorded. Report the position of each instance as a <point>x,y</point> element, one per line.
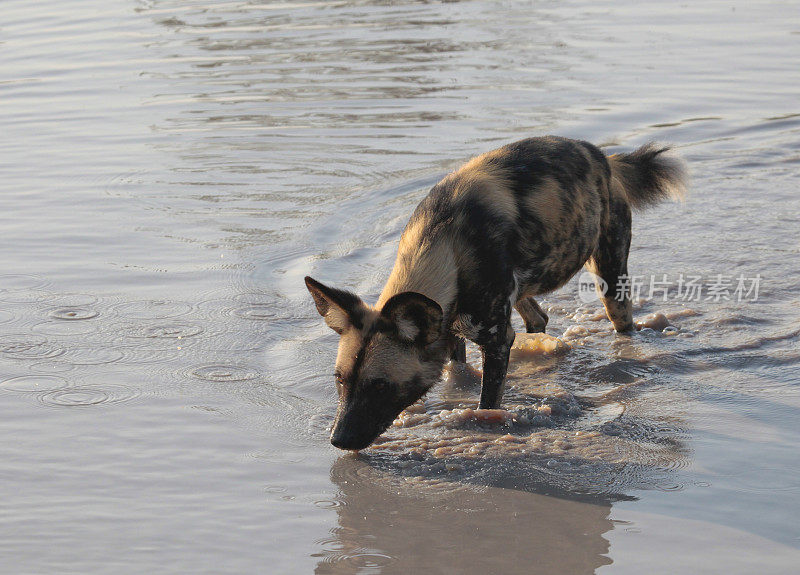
<point>495,365</point>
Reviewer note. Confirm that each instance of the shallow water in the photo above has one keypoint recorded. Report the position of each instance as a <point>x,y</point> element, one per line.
<point>171,171</point>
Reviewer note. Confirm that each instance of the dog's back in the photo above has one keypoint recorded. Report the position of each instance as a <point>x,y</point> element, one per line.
<point>521,220</point>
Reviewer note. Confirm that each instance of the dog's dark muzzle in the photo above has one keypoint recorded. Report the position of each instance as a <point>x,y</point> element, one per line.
<point>354,431</point>
<point>349,441</point>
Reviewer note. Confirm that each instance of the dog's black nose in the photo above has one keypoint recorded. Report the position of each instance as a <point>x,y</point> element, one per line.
<point>348,441</point>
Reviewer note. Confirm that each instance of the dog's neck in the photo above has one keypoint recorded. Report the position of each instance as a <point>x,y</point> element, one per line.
<point>428,268</point>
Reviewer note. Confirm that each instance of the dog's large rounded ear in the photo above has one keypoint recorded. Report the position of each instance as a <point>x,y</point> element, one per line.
<point>416,317</point>
<point>340,308</point>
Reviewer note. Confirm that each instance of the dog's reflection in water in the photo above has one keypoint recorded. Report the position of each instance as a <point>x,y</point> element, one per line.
<point>391,525</point>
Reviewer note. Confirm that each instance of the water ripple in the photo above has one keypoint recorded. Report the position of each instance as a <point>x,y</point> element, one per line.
<point>22,282</point>
<point>222,373</point>
<point>89,396</point>
<point>72,300</point>
<point>65,328</point>
<point>73,313</point>
<point>257,312</point>
<point>24,296</point>
<point>50,366</point>
<point>152,309</point>
<point>25,346</point>
<point>168,331</point>
<point>34,383</point>
<point>86,355</point>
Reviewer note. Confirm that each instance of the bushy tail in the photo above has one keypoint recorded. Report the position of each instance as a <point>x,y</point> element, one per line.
<point>649,175</point>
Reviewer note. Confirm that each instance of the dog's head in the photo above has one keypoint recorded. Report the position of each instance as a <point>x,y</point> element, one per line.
<point>387,358</point>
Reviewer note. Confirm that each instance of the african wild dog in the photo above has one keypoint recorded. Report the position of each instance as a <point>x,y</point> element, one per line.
<point>509,225</point>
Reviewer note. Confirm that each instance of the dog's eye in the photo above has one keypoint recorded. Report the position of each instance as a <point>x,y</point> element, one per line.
<point>380,384</point>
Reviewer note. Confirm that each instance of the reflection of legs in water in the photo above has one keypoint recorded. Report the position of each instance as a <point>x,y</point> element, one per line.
<point>401,526</point>
<point>533,315</point>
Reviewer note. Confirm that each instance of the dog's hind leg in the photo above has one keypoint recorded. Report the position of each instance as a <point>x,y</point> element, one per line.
<point>610,263</point>
<point>534,316</point>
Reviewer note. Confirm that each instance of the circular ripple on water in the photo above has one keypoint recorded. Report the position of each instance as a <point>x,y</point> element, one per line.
<point>86,355</point>
<point>364,560</point>
<point>256,312</point>
<point>72,300</point>
<point>20,282</point>
<point>232,343</point>
<point>329,503</point>
<point>6,316</point>
<point>337,557</point>
<point>50,366</point>
<point>24,296</point>
<point>223,373</point>
<point>253,311</point>
<point>71,313</point>
<point>89,396</point>
<point>152,309</point>
<point>265,307</point>
<point>652,445</point>
<point>215,308</point>
<point>170,330</point>
<point>65,328</point>
<point>148,355</point>
<point>34,383</point>
<point>24,346</point>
